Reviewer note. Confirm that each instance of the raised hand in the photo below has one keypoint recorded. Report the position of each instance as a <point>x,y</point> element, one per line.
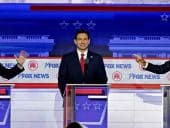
<point>21,58</point>
<point>139,60</point>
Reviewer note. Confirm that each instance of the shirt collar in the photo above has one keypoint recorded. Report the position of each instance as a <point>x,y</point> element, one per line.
<point>79,54</point>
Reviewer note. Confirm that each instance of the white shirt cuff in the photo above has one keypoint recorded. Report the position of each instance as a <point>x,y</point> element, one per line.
<point>146,65</point>
<point>20,66</point>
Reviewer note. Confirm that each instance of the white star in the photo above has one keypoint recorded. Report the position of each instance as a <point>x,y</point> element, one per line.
<point>91,25</point>
<point>63,24</point>
<point>97,106</point>
<point>77,106</point>
<point>77,25</point>
<point>164,17</point>
<point>2,106</point>
<point>86,106</point>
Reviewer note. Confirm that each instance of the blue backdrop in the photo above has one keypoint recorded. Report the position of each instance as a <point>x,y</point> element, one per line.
<point>117,33</point>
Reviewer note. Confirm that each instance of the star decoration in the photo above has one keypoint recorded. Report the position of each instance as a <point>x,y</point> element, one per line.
<point>91,25</point>
<point>77,25</point>
<point>77,106</point>
<point>164,17</point>
<point>63,24</point>
<point>86,106</point>
<point>2,106</point>
<point>97,106</point>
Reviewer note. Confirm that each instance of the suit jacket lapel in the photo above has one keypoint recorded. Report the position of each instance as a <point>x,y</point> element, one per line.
<point>89,57</point>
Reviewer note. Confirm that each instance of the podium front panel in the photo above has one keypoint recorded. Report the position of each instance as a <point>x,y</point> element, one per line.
<point>87,105</point>
<point>5,106</point>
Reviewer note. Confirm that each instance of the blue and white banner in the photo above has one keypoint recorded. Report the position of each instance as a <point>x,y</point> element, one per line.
<point>121,71</point>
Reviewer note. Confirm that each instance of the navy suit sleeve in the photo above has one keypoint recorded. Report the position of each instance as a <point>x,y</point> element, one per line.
<point>101,75</point>
<point>9,73</point>
<point>159,69</point>
<point>62,75</point>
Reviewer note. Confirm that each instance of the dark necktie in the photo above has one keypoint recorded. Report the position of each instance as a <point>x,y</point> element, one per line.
<point>82,61</point>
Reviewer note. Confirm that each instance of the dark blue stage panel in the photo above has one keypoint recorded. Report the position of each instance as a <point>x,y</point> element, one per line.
<point>5,106</point>
<point>115,30</point>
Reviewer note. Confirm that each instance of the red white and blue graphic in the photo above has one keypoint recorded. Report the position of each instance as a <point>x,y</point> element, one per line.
<point>46,30</point>
<point>91,106</point>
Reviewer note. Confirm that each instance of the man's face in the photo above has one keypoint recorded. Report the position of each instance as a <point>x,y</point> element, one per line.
<point>82,41</point>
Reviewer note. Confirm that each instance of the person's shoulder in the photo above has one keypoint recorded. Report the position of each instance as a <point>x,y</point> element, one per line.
<point>167,62</point>
<point>68,54</point>
<point>94,54</point>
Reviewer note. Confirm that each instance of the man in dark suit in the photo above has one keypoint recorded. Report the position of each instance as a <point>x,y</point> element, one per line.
<point>158,69</point>
<point>72,69</point>
<point>12,72</point>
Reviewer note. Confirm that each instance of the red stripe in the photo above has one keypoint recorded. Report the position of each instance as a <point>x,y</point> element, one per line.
<point>97,8</point>
<point>89,91</point>
<point>53,85</point>
<point>3,92</point>
<point>35,85</point>
<point>135,86</point>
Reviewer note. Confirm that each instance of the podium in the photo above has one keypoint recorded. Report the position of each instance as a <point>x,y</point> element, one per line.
<point>5,105</point>
<point>86,104</point>
<point>166,106</point>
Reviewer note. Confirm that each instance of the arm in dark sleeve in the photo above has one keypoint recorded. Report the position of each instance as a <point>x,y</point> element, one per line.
<point>159,69</point>
<point>10,73</point>
<point>102,77</point>
<point>62,76</point>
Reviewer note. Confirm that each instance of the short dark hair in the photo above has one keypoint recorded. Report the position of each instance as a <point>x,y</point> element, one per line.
<point>74,125</point>
<point>82,31</point>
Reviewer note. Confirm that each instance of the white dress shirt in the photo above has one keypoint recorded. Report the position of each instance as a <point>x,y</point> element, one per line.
<point>79,54</point>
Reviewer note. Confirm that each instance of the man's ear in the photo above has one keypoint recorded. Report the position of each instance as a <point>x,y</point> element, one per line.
<point>89,41</point>
<point>75,42</point>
